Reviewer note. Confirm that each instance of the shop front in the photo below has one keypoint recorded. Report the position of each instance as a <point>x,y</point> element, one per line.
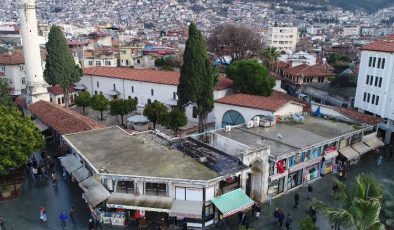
<point>295,176</point>
<point>276,184</point>
<point>328,160</point>
<point>232,202</point>
<point>312,172</point>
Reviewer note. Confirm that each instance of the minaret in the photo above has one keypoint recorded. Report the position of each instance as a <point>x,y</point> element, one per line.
<point>36,86</point>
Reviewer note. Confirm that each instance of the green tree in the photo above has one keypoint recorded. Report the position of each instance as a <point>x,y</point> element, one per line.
<point>270,57</point>
<point>198,77</point>
<point>361,204</point>
<point>156,112</point>
<point>122,107</point>
<point>99,103</point>
<point>307,224</point>
<point>167,63</point>
<point>388,205</point>
<point>334,58</point>
<point>250,77</point>
<point>5,93</point>
<point>83,100</point>
<point>176,119</point>
<point>60,67</point>
<point>19,138</point>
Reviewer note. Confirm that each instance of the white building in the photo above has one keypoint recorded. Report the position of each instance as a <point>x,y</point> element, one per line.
<point>351,31</point>
<point>145,85</point>
<point>299,58</point>
<point>375,85</point>
<point>283,38</point>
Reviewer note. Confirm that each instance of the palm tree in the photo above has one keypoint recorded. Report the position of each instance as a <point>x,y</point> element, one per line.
<point>361,204</point>
<point>307,224</point>
<point>270,56</point>
<point>388,204</point>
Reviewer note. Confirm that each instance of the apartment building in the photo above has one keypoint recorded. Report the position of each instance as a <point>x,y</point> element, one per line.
<point>283,38</point>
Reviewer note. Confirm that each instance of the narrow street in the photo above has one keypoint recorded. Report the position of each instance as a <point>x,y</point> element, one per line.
<point>23,213</point>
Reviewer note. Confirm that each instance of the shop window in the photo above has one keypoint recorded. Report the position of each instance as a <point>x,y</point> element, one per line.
<point>312,172</point>
<point>125,186</point>
<point>276,187</point>
<point>209,210</point>
<point>294,179</point>
<point>296,159</point>
<point>272,170</point>
<point>356,138</point>
<point>155,189</point>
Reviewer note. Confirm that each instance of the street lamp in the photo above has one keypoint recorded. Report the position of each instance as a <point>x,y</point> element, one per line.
<point>12,170</point>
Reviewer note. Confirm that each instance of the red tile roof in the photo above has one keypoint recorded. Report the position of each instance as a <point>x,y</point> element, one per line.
<point>272,103</point>
<point>282,65</point>
<point>145,75</point>
<point>382,45</point>
<point>311,70</point>
<point>360,117</point>
<point>16,58</point>
<point>57,90</point>
<point>21,101</point>
<point>224,83</point>
<point>63,120</point>
<point>148,75</point>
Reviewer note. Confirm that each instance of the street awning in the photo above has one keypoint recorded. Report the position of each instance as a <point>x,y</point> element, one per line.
<point>81,174</point>
<point>361,148</point>
<point>70,163</point>
<point>232,202</point>
<point>186,209</point>
<point>374,142</point>
<point>42,127</point>
<point>331,155</point>
<point>96,195</point>
<point>89,184</point>
<point>140,202</point>
<point>349,153</point>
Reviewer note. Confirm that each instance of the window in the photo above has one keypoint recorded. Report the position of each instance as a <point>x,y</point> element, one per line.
<point>125,186</point>
<point>98,84</point>
<point>209,210</point>
<point>138,61</point>
<point>155,189</point>
<point>132,89</point>
<point>2,68</point>
<point>98,63</point>
<point>367,81</point>
<point>296,159</point>
<point>174,95</point>
<point>365,96</point>
<point>374,62</point>
<point>136,99</point>
<point>50,99</point>
<point>149,101</point>
<point>380,82</point>
<point>114,86</point>
<point>376,81</point>
<point>62,100</point>
<point>379,61</point>
<point>151,92</point>
<point>373,99</point>
<point>383,62</point>
<point>22,67</point>
<point>195,112</point>
<point>58,100</point>
<point>368,97</point>
<point>95,92</point>
<point>90,63</point>
<point>23,80</point>
<point>108,63</point>
<point>377,100</point>
<point>370,62</point>
<point>371,80</point>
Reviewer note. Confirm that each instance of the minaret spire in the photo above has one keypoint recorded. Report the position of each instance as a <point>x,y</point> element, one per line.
<point>36,86</point>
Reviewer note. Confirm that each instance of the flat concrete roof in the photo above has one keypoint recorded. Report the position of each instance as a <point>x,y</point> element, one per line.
<point>296,135</point>
<point>137,155</point>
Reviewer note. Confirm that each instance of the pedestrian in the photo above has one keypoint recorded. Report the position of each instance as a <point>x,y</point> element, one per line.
<point>312,213</point>
<point>253,209</point>
<point>65,175</point>
<point>296,199</point>
<point>98,224</point>
<point>54,178</point>
<point>258,211</point>
<point>310,191</point>
<point>43,215</point>
<point>281,218</point>
<point>270,199</point>
<point>39,171</point>
<point>71,214</point>
<point>35,173</point>
<point>335,189</point>
<point>380,160</point>
<point>2,223</point>
<point>288,221</point>
<point>246,223</point>
<point>92,226</point>
<point>276,214</point>
<point>63,219</point>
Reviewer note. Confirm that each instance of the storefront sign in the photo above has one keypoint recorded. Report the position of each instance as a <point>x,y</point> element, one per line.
<point>314,161</point>
<point>330,150</point>
<point>297,167</point>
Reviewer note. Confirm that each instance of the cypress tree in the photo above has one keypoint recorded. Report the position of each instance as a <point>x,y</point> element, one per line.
<point>198,77</point>
<point>60,67</point>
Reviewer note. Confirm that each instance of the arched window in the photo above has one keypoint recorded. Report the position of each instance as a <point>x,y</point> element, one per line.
<point>136,99</point>
<point>149,101</point>
<point>232,117</point>
<point>95,92</point>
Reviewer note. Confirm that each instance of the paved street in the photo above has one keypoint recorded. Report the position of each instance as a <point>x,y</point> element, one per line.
<point>24,212</point>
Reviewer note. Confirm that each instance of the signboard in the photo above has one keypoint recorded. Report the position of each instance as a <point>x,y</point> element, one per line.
<point>195,194</point>
<point>330,150</point>
<point>297,167</point>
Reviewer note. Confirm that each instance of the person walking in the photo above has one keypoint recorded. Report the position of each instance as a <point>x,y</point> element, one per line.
<point>43,215</point>
<point>281,218</point>
<point>335,189</point>
<point>380,158</point>
<point>71,214</point>
<point>2,224</point>
<point>63,219</point>
<point>310,191</point>
<point>312,213</point>
<point>54,178</point>
<point>288,221</point>
<point>296,199</point>
<point>276,214</point>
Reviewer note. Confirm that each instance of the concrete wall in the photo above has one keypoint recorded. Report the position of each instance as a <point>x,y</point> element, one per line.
<point>288,109</point>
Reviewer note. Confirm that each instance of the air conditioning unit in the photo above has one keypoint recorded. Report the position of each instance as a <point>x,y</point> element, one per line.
<point>249,124</point>
<point>256,121</point>
<point>227,128</point>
